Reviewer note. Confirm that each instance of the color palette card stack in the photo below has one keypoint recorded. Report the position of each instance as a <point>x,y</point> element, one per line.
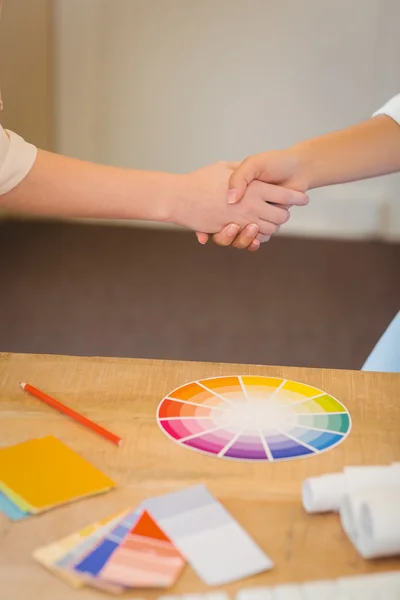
<point>42,473</point>
<point>148,547</point>
<point>125,551</point>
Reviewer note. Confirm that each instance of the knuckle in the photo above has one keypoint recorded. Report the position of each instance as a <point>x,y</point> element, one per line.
<point>283,196</point>
<point>270,229</point>
<point>240,243</point>
<point>221,240</point>
<point>284,217</point>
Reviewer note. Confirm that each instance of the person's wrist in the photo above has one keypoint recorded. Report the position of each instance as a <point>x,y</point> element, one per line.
<point>172,198</point>
<point>301,156</point>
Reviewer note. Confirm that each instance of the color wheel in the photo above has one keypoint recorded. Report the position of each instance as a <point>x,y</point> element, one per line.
<point>253,418</point>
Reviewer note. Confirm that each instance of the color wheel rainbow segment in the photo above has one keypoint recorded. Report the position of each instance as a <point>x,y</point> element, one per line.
<point>253,418</point>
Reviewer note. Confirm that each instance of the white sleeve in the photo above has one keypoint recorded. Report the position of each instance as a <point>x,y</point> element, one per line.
<point>16,159</point>
<point>391,109</point>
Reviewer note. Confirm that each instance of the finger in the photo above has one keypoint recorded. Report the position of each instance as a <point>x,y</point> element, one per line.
<point>284,197</point>
<point>202,237</point>
<point>274,213</point>
<point>246,236</point>
<point>267,228</point>
<point>240,179</point>
<point>287,206</point>
<point>263,238</point>
<point>227,235</point>
<point>254,246</point>
<point>278,195</point>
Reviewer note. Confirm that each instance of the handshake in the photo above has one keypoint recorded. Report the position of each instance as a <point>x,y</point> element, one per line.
<point>250,201</point>
<point>242,204</point>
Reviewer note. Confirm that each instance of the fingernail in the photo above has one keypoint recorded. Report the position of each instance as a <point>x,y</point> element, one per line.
<point>233,229</point>
<point>232,195</point>
<point>256,244</point>
<point>253,229</point>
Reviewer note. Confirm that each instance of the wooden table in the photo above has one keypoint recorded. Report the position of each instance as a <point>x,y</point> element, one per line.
<point>123,395</point>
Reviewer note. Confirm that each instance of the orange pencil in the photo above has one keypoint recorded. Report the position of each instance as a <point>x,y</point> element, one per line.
<point>71,413</point>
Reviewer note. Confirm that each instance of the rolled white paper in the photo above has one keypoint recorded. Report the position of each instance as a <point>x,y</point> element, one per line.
<point>366,587</point>
<point>350,509</point>
<point>318,590</point>
<point>325,493</point>
<point>371,478</point>
<point>286,592</point>
<point>371,520</point>
<point>376,582</point>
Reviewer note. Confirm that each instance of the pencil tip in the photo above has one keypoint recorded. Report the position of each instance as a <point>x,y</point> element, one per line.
<point>22,384</point>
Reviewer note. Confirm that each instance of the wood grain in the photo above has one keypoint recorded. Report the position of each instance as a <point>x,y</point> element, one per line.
<point>123,395</point>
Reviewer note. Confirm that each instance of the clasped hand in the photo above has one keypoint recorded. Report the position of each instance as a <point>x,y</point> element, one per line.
<point>252,199</point>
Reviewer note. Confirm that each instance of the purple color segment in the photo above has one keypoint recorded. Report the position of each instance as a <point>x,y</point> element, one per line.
<point>213,446</point>
<point>247,446</point>
<point>240,451</point>
<point>284,447</point>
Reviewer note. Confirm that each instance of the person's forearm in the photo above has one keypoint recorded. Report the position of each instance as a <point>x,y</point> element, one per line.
<point>369,149</point>
<point>65,187</point>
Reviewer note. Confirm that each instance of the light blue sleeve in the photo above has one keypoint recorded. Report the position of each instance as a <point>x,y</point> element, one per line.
<point>385,356</point>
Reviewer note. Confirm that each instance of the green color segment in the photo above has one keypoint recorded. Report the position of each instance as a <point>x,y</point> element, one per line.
<point>338,423</point>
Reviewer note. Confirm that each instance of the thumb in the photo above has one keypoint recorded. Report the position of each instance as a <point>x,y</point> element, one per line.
<point>240,179</point>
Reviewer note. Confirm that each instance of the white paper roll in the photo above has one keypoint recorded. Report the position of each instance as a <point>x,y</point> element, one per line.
<point>371,478</point>
<point>324,493</point>
<point>371,520</point>
<point>318,590</point>
<point>350,509</point>
<point>384,584</point>
<point>286,592</point>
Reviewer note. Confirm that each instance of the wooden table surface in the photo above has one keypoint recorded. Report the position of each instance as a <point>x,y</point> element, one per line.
<point>123,395</point>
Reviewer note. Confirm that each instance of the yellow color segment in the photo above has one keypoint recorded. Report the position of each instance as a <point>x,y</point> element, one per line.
<point>301,388</point>
<point>272,382</point>
<point>323,404</point>
<point>43,472</point>
<point>261,388</point>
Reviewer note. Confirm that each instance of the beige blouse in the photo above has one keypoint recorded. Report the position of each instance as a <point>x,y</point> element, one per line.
<point>16,158</point>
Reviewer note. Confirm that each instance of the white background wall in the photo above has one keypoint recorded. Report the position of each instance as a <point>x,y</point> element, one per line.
<point>176,84</point>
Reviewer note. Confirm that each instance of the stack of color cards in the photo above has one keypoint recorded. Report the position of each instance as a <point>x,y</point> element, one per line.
<point>148,547</point>
<point>125,551</point>
<point>42,473</point>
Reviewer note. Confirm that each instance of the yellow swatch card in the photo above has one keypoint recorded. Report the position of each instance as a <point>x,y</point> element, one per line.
<point>43,472</point>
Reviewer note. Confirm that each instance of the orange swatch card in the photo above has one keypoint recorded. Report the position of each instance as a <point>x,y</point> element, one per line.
<point>41,473</point>
<point>146,558</point>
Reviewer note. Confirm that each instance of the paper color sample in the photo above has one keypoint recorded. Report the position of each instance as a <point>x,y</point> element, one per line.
<point>65,550</point>
<point>41,473</point>
<point>145,559</point>
<point>91,565</point>
<point>253,418</point>
<point>215,545</point>
<point>10,509</point>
